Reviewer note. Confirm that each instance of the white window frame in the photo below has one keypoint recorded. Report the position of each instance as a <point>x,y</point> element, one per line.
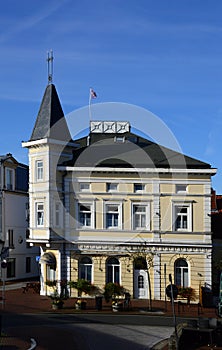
<point>39,219</point>
<point>146,213</point>
<point>119,212</point>
<point>92,212</point>
<point>85,267</point>
<point>182,272</point>
<point>10,174</point>
<point>39,170</point>
<point>181,205</point>
<point>84,187</point>
<point>112,187</point>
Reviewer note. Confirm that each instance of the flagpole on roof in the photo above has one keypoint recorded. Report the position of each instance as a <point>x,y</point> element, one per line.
<point>92,95</point>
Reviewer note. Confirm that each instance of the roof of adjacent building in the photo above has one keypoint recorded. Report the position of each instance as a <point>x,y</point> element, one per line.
<point>50,122</point>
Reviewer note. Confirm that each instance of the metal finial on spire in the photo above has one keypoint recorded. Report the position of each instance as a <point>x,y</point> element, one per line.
<point>50,66</point>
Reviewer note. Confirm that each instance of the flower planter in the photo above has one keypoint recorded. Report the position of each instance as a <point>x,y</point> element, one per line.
<point>117,307</point>
<point>80,305</point>
<point>56,306</point>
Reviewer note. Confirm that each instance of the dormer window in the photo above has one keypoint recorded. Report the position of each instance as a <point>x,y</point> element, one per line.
<point>9,179</point>
<point>119,139</point>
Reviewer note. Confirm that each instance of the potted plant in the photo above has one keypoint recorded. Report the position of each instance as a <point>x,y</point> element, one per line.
<point>56,297</point>
<point>82,286</point>
<point>80,304</point>
<point>114,292</point>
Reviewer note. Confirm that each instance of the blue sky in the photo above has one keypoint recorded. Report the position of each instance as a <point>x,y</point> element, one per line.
<point>163,56</point>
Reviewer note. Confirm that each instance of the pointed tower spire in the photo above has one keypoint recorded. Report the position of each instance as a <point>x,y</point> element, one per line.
<point>51,122</point>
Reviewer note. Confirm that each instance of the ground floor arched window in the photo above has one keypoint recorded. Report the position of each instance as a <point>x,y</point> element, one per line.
<point>85,269</point>
<point>113,270</point>
<point>181,273</point>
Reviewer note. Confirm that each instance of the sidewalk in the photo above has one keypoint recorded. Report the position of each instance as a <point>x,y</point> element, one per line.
<point>18,302</point>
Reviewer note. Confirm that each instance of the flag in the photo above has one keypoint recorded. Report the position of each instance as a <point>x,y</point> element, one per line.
<point>92,94</point>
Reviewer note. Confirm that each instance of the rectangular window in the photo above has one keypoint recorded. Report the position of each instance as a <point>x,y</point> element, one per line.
<point>85,215</point>
<point>10,267</point>
<point>9,179</point>
<point>139,188</point>
<point>84,187</point>
<point>28,264</point>
<point>39,214</point>
<point>112,216</point>
<point>183,217</point>
<point>141,218</point>
<point>11,239</point>
<point>111,187</point>
<point>181,188</point>
<point>39,170</point>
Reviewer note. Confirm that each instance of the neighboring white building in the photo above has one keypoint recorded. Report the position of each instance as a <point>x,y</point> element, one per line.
<point>14,216</point>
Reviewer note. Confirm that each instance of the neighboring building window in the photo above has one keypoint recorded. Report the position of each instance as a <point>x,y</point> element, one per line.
<point>181,188</point>
<point>111,187</point>
<point>27,212</point>
<point>85,215</point>
<point>0,215</point>
<point>9,179</point>
<point>181,273</point>
<point>57,214</point>
<point>10,267</point>
<point>85,269</point>
<point>84,187</point>
<point>11,239</point>
<point>141,219</point>
<point>139,188</point>
<point>40,214</point>
<point>112,270</point>
<point>39,170</point>
<point>28,264</point>
<point>182,217</point>
<point>113,216</point>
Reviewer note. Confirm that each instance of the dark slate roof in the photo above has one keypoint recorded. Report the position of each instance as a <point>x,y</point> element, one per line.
<point>101,149</point>
<point>50,121</point>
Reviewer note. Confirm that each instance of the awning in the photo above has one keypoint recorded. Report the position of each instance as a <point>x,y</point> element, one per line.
<point>48,259</point>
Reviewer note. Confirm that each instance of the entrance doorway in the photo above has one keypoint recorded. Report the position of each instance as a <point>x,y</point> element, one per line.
<point>140,284</point>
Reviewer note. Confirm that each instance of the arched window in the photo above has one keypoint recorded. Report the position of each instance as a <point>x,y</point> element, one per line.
<point>85,269</point>
<point>112,270</point>
<point>181,273</point>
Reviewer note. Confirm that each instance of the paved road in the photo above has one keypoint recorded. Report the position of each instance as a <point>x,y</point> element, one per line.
<point>88,332</point>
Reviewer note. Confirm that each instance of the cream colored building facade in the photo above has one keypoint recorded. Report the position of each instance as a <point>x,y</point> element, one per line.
<point>112,206</point>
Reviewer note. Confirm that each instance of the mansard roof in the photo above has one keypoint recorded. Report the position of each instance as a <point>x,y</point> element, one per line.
<point>128,150</point>
<point>50,122</point>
